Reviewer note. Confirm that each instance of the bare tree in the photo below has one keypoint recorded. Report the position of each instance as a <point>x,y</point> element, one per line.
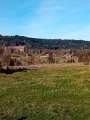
<point>6,59</point>
<point>51,58</point>
<point>86,59</point>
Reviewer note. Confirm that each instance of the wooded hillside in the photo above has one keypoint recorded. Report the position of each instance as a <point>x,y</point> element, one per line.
<point>44,43</point>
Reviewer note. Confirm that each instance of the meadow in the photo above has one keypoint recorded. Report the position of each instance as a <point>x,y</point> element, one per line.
<point>58,93</point>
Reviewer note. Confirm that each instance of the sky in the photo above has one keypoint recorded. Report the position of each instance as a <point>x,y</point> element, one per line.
<point>51,19</point>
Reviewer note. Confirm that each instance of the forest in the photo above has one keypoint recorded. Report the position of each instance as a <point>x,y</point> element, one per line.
<point>53,44</point>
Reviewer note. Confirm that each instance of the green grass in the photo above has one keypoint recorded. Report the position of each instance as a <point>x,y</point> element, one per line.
<point>46,94</point>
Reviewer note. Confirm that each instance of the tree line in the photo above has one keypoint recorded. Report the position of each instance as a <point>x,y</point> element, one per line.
<point>54,44</point>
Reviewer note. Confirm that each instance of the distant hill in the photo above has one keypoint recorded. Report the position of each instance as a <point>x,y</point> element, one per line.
<point>44,43</point>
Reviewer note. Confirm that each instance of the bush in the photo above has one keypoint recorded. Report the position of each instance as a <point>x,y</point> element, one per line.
<point>70,61</point>
<point>85,59</point>
<point>6,59</point>
<point>12,62</point>
<point>51,58</point>
<point>80,59</point>
<point>18,63</point>
<point>15,62</point>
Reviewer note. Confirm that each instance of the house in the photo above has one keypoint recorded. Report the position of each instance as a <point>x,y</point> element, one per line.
<point>14,55</point>
<point>14,48</point>
<point>55,55</point>
<point>46,54</point>
<point>68,56</point>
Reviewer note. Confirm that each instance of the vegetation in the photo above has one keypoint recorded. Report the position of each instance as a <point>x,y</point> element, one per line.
<point>70,61</point>
<point>6,59</point>
<point>85,58</point>
<point>51,58</point>
<point>43,43</point>
<point>46,94</point>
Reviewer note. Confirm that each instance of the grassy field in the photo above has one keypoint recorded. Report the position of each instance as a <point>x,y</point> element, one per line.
<point>46,94</point>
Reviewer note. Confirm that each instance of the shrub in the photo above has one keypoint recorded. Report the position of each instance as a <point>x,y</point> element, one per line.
<point>15,62</point>
<point>80,59</point>
<point>6,59</point>
<point>86,59</point>
<point>51,58</point>
<point>12,62</point>
<point>70,61</point>
<point>18,63</point>
<point>31,60</point>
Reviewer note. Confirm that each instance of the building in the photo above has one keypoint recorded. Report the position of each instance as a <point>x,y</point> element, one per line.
<point>68,56</point>
<point>46,54</point>
<point>14,55</point>
<point>14,48</point>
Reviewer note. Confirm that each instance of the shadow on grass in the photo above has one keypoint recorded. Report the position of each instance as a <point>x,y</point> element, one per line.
<point>11,71</point>
<point>23,118</point>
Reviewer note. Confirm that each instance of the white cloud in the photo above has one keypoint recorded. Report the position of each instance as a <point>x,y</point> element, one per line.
<point>45,17</point>
<point>49,18</point>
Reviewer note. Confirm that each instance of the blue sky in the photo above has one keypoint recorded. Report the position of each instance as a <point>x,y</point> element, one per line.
<point>66,19</point>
